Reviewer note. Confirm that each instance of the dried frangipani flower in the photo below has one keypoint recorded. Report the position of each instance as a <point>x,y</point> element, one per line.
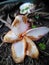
<point>22,38</point>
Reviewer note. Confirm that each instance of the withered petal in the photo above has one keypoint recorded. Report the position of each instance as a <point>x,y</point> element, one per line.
<point>19,51</point>
<point>36,33</point>
<point>32,49</point>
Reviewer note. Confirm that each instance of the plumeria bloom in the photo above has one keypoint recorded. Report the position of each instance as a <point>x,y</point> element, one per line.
<point>22,38</point>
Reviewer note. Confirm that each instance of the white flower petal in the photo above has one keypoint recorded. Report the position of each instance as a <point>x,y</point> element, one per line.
<point>36,33</point>
<point>32,50</point>
<point>18,51</point>
<point>20,24</point>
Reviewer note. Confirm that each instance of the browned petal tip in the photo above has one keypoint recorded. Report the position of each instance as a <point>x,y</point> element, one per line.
<point>10,37</point>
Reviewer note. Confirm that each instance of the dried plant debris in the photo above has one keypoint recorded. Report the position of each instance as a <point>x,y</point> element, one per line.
<point>1,24</point>
<point>8,14</point>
